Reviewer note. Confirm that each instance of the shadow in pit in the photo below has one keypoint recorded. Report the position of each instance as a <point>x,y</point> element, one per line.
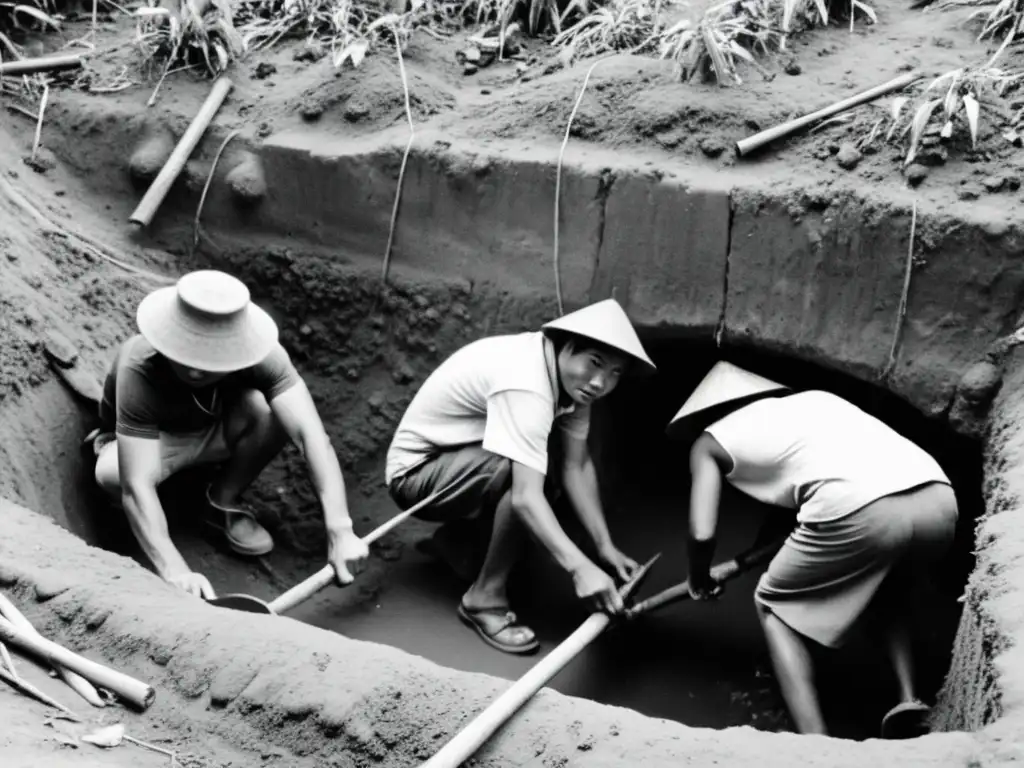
<point>688,647</point>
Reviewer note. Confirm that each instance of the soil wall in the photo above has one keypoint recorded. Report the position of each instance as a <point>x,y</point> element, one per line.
<point>818,271</point>
<point>985,683</point>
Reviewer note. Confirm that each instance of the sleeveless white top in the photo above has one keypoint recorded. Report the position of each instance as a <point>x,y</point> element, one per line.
<point>819,454</point>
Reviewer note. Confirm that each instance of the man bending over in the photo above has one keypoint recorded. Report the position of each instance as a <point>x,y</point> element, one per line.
<point>477,432</point>
<point>207,382</point>
<point>872,509</point>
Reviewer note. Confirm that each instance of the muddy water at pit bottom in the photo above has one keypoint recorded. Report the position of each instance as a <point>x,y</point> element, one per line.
<point>703,665</point>
<point>699,664</point>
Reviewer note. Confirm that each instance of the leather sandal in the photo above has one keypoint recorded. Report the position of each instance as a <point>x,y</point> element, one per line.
<point>240,529</point>
<point>499,628</point>
<point>906,720</point>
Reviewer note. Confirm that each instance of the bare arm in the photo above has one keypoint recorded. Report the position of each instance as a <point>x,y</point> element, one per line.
<point>139,467</point>
<point>530,505</point>
<point>706,458</point>
<point>708,462</point>
<point>297,413</point>
<point>580,480</point>
<point>301,420</point>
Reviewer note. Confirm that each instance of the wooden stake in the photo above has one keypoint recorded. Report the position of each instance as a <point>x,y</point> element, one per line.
<point>135,692</point>
<point>39,122</point>
<point>473,736</point>
<point>161,185</point>
<point>758,140</point>
<point>42,64</point>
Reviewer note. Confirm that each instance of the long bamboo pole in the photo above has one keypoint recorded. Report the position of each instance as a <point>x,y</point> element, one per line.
<point>758,140</point>
<point>161,185</point>
<point>41,64</point>
<point>135,692</point>
<point>473,736</point>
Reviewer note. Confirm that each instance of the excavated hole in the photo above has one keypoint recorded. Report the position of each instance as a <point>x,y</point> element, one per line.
<point>703,665</point>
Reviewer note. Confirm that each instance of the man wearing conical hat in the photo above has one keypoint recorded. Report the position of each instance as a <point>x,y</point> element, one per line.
<point>477,431</point>
<point>871,509</point>
<point>206,381</point>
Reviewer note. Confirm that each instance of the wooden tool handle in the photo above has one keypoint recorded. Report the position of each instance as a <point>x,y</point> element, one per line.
<point>758,140</point>
<point>325,576</point>
<point>473,736</point>
<point>721,572</point>
<point>135,692</point>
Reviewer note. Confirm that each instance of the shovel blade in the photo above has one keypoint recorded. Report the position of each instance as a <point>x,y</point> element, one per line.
<point>240,602</point>
<point>633,585</point>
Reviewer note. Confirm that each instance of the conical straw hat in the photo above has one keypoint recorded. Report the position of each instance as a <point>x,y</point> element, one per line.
<point>606,322</point>
<point>724,383</point>
<point>207,322</point>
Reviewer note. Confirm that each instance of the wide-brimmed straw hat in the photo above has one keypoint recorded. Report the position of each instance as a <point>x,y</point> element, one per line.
<point>605,322</point>
<point>725,383</point>
<point>207,322</point>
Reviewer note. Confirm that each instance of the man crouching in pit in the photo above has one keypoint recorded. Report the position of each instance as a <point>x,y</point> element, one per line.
<point>477,433</point>
<point>872,511</point>
<point>207,382</point>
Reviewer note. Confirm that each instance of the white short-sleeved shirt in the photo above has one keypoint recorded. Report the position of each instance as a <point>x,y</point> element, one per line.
<point>501,391</point>
<point>819,454</point>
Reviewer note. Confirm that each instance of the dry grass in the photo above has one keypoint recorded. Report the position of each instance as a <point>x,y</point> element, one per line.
<point>1003,19</point>
<point>18,19</point>
<point>727,36</point>
<point>619,26</point>
<point>959,106</point>
<point>200,33</point>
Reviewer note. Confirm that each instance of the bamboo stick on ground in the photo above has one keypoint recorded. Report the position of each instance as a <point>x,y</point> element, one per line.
<point>473,736</point>
<point>41,64</point>
<point>161,185</point>
<point>80,685</point>
<point>759,140</point>
<point>135,692</point>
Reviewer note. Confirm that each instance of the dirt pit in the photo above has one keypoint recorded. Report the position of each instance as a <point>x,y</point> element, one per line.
<point>701,665</point>
<point>364,350</point>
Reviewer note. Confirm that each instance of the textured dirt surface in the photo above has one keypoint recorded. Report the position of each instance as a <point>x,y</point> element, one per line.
<point>985,682</point>
<point>252,678</point>
<point>635,118</point>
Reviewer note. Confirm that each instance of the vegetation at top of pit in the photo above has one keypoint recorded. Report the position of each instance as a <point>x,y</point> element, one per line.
<point>715,44</point>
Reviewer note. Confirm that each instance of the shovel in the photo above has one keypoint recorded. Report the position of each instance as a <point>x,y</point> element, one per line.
<point>325,576</point>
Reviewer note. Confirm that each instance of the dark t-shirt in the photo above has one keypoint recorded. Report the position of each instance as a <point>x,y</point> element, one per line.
<point>143,397</point>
